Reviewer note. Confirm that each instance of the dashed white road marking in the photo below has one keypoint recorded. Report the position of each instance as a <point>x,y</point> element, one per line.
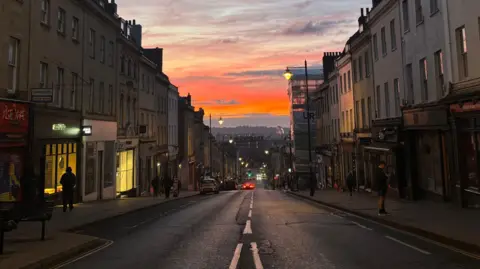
<point>236,256</point>
<point>362,226</point>
<point>256,257</point>
<point>251,205</point>
<point>408,245</point>
<point>250,213</point>
<point>335,215</point>
<point>93,251</point>
<point>248,227</point>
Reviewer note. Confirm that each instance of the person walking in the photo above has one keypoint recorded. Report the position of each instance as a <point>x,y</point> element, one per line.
<point>168,185</point>
<point>351,181</point>
<point>155,182</point>
<point>382,181</point>
<point>68,182</point>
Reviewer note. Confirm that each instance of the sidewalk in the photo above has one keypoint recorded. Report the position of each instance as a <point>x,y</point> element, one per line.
<point>23,246</point>
<point>442,222</point>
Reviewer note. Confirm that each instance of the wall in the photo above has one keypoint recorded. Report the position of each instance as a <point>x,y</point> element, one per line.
<point>346,93</point>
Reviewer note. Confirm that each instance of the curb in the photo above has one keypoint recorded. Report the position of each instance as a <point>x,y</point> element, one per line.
<point>464,246</point>
<point>64,256</point>
<point>79,227</point>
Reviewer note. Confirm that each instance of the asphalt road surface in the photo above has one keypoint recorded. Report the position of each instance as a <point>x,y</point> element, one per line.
<point>258,229</point>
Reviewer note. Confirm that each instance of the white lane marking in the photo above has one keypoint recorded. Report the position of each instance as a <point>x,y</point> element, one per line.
<point>362,226</point>
<point>236,256</point>
<point>335,215</point>
<point>248,227</point>
<point>256,257</point>
<point>250,213</point>
<point>91,252</point>
<point>408,245</point>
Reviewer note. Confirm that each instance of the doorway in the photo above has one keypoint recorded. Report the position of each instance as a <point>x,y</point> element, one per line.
<point>100,175</point>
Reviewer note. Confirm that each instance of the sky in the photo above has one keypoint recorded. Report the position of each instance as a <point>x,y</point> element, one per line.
<point>230,54</point>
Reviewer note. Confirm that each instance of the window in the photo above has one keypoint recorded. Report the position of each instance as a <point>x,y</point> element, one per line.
<point>128,110</point>
<point>418,11</point>
<point>92,96</point>
<point>13,62</point>
<point>59,87</point>
<point>91,43</point>
<point>406,18</point>
<point>43,75</point>
<point>369,110</point>
<point>349,81</point>
<point>393,35</point>
<point>434,6</point>
<point>375,47</point>
<point>439,72</point>
<point>360,68</point>
<point>367,65</point>
<point>378,110</point>
<point>351,120</point>
<point>122,64</point>
<point>357,113</point>
<point>45,11</point>
<point>341,85</point>
<point>462,52</point>
<point>363,111</point>
<point>121,111</point>
<point>134,110</point>
<point>111,49</point>
<point>396,92</point>
<point>424,78</point>
<point>409,86</point>
<point>129,67</point>
<point>387,100</point>
<point>342,128</point>
<point>61,20</point>
<point>101,98</point>
<point>354,66</point>
<point>75,28</point>
<point>384,41</point>
<point>73,91</point>
<point>110,100</point>
<point>102,49</point>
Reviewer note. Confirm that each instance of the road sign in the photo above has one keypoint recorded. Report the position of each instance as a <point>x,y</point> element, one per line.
<point>42,95</point>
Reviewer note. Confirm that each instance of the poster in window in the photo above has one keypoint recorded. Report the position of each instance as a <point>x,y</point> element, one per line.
<point>11,167</point>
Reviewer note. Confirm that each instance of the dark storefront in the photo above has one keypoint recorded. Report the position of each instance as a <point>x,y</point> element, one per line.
<point>386,146</point>
<point>426,151</point>
<point>465,123</point>
<point>362,139</point>
<point>57,145</point>
<point>326,167</point>
<point>347,159</point>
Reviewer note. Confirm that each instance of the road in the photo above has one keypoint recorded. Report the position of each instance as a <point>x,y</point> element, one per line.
<point>257,229</point>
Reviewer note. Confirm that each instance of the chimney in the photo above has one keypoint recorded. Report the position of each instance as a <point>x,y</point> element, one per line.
<point>137,33</point>
<point>155,55</point>
<point>329,63</point>
<point>112,8</point>
<point>368,10</point>
<point>361,14</point>
<point>134,22</point>
<point>189,99</point>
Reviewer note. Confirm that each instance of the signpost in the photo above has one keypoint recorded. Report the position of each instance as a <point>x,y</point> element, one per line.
<point>42,95</point>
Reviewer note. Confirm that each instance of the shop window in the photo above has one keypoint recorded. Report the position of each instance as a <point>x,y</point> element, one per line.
<point>58,158</point>
<point>125,171</point>
<point>468,146</point>
<point>11,167</point>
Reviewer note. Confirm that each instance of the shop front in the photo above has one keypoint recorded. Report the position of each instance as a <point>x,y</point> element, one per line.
<point>56,146</point>
<point>363,181</point>
<point>14,147</point>
<point>325,167</point>
<point>347,158</point>
<point>465,124</point>
<point>426,132</point>
<point>126,183</point>
<point>386,146</point>
<point>147,164</point>
<point>99,160</point>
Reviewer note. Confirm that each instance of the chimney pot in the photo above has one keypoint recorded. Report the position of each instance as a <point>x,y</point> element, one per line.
<point>361,12</point>
<point>134,22</point>
<point>368,10</point>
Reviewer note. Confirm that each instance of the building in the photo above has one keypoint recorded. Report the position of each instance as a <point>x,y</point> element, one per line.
<point>173,128</point>
<point>129,54</point>
<point>297,89</point>
<point>363,95</point>
<point>198,147</point>
<point>186,156</point>
<point>384,26</point>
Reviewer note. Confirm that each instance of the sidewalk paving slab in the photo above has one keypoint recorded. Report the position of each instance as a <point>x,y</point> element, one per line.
<point>442,222</point>
<point>24,249</point>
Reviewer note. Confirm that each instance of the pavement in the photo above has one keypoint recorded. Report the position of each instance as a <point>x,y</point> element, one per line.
<point>443,222</point>
<point>257,229</point>
<point>24,249</point>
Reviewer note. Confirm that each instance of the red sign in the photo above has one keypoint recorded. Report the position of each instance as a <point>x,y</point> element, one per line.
<point>13,117</point>
<point>465,107</point>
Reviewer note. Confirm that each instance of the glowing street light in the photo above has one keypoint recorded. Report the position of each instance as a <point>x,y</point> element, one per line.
<point>230,140</point>
<point>266,152</point>
<point>220,121</point>
<point>288,74</point>
<point>240,159</point>
<point>243,163</point>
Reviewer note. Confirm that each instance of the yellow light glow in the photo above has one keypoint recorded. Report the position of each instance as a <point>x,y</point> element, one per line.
<point>287,74</point>
<point>220,121</point>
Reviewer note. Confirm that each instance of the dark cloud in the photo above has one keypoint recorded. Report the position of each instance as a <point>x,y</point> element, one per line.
<point>313,70</point>
<point>229,40</point>
<point>217,102</point>
<point>315,28</point>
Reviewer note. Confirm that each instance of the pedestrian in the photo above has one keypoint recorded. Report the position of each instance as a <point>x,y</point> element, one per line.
<point>155,183</point>
<point>351,181</point>
<point>168,185</point>
<point>382,182</point>
<point>68,182</point>
<point>179,185</point>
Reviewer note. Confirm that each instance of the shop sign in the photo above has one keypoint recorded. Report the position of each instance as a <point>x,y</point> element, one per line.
<point>86,130</point>
<point>14,117</point>
<point>59,127</point>
<point>470,106</point>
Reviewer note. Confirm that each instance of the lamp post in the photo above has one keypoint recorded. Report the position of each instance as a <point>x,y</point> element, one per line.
<point>308,116</point>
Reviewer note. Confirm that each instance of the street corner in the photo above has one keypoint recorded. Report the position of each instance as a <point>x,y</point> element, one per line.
<point>51,253</point>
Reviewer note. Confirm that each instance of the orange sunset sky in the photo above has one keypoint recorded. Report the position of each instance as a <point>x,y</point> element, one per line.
<point>230,54</point>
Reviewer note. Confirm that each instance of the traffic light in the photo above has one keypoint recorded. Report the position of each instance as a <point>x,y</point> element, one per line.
<point>249,173</point>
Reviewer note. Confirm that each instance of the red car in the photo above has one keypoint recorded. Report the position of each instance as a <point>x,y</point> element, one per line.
<point>248,186</point>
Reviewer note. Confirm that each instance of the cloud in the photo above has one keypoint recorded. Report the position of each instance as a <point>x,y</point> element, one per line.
<point>217,102</point>
<point>318,28</point>
<point>278,73</point>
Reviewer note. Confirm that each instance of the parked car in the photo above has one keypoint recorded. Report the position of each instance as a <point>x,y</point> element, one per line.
<point>209,185</point>
<point>230,185</point>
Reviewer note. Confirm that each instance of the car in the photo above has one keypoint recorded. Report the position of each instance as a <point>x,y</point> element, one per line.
<point>229,185</point>
<point>248,186</point>
<point>209,185</point>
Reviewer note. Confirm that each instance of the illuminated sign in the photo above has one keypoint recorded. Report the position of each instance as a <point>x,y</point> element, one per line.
<point>59,127</point>
<point>87,130</point>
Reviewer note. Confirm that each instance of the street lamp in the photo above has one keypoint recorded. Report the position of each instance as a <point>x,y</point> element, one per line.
<point>266,152</point>
<point>240,159</point>
<point>220,121</point>
<point>288,75</point>
<point>230,140</point>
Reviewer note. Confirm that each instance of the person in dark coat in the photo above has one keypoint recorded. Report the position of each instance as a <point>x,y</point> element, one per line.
<point>155,183</point>
<point>351,181</point>
<point>68,182</point>
<point>382,183</point>
<point>168,185</point>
